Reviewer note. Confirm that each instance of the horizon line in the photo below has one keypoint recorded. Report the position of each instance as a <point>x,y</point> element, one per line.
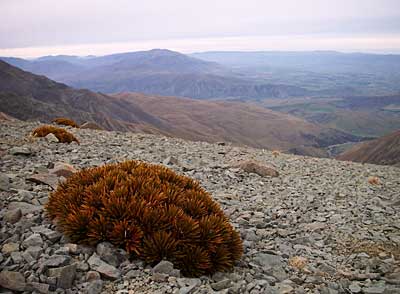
<point>300,43</point>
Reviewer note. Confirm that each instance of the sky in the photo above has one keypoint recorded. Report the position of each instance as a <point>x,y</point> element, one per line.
<point>32,28</point>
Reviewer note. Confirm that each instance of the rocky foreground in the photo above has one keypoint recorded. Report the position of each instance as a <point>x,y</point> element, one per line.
<point>318,227</point>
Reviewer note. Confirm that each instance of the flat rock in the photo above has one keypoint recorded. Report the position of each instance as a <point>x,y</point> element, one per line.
<point>163,267</point>
<point>94,287</point>
<point>65,275</point>
<point>20,151</point>
<point>106,270</point>
<point>47,233</point>
<point>56,261</point>
<point>51,138</point>
<point>12,216</point>
<point>62,169</point>
<point>4,182</point>
<point>45,178</point>
<point>24,207</point>
<point>218,286</point>
<point>8,248</point>
<point>12,280</point>
<point>33,240</point>
<point>110,254</point>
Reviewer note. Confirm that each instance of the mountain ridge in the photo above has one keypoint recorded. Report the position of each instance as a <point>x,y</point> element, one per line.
<point>28,96</point>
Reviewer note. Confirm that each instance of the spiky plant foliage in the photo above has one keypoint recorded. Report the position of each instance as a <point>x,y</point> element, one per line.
<point>62,135</point>
<point>151,212</point>
<point>65,122</point>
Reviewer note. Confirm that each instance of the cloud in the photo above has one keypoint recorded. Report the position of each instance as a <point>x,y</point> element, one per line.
<point>49,23</point>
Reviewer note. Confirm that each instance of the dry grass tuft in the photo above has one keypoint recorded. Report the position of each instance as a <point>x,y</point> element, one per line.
<point>276,153</point>
<point>374,181</point>
<point>66,122</point>
<point>62,135</point>
<point>151,212</point>
<point>298,262</point>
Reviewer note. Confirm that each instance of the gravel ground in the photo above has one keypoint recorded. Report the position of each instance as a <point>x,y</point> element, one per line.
<point>318,227</point>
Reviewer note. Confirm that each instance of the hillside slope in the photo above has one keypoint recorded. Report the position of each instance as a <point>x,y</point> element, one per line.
<point>27,96</point>
<point>318,227</point>
<point>241,123</point>
<point>384,150</point>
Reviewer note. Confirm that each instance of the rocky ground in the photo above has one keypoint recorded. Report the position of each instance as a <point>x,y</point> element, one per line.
<point>318,227</point>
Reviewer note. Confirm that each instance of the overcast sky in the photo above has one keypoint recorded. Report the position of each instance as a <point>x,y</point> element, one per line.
<point>40,27</point>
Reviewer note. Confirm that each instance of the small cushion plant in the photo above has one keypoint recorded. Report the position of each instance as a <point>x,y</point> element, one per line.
<point>149,211</point>
<point>66,122</point>
<point>62,135</point>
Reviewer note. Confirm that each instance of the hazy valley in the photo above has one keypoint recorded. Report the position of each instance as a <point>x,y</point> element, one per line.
<point>308,103</point>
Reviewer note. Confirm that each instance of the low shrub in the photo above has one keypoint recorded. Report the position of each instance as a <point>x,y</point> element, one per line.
<point>65,122</point>
<point>149,211</point>
<point>62,135</point>
<point>374,181</point>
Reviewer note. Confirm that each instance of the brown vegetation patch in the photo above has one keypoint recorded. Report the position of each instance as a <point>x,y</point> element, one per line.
<point>66,122</point>
<point>373,249</point>
<point>374,181</point>
<point>149,211</point>
<point>62,135</point>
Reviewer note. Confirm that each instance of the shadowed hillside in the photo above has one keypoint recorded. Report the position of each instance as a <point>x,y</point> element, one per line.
<point>27,96</point>
<point>384,150</point>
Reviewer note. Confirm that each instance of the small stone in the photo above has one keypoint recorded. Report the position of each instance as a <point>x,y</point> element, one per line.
<point>94,287</point>
<point>34,251</point>
<point>159,277</point>
<point>133,274</point>
<point>56,261</point>
<point>72,248</point>
<point>51,138</point>
<point>25,207</point>
<point>374,290</point>
<point>170,160</point>
<point>109,253</point>
<point>218,286</point>
<point>13,216</point>
<point>258,168</point>
<point>267,260</point>
<point>92,275</point>
<point>33,240</point>
<point>283,288</point>
<point>20,151</point>
<point>65,275</point>
<point>354,288</point>
<point>12,280</point>
<point>4,182</point>
<point>163,267</point>
<point>16,257</point>
<point>45,178</point>
<point>62,169</point>
<point>40,287</point>
<point>51,235</point>
<point>106,270</point>
<point>8,248</point>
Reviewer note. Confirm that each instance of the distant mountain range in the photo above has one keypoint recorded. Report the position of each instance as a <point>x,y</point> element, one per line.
<point>158,71</point>
<point>324,73</point>
<point>384,150</point>
<point>28,96</point>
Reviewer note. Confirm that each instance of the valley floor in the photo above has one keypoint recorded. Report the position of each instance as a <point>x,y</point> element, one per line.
<point>319,227</point>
